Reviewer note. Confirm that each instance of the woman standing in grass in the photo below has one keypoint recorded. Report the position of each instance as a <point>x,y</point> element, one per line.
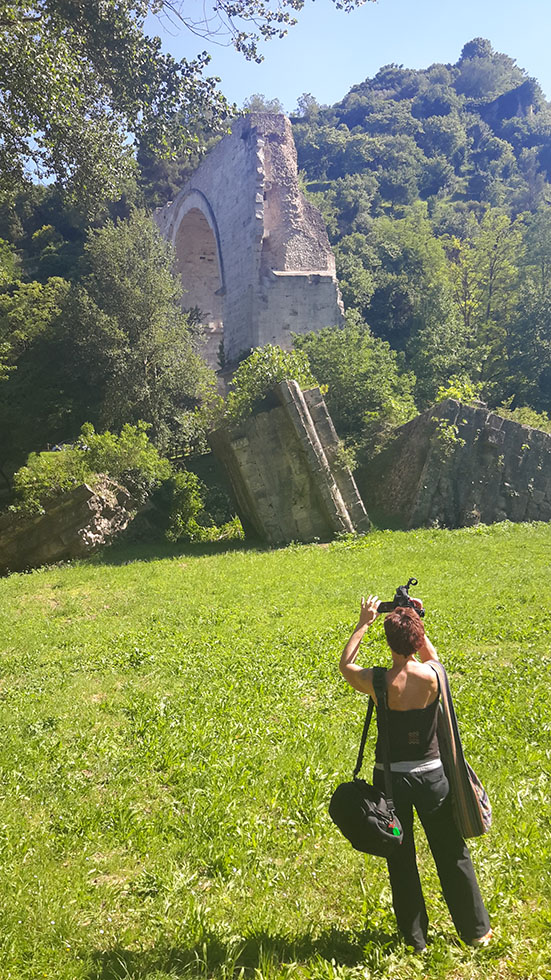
<point>418,778</point>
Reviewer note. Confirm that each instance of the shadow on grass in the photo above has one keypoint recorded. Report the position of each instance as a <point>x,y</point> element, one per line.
<point>126,554</point>
<point>250,953</point>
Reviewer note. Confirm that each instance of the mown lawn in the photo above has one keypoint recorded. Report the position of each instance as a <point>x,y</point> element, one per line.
<point>172,729</point>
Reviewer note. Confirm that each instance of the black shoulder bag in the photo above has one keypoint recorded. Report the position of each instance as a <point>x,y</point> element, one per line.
<point>363,813</point>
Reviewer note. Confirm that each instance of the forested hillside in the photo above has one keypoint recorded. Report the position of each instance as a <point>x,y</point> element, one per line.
<point>435,186</point>
<point>436,189</point>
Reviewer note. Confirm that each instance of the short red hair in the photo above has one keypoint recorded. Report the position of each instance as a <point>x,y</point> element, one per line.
<point>404,631</point>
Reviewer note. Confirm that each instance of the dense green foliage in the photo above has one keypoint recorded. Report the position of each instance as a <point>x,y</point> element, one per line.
<point>477,131</point>
<point>83,84</point>
<point>172,731</point>
<point>361,372</point>
<point>111,347</point>
<point>187,513</point>
<point>77,79</point>
<point>179,505</point>
<point>135,351</point>
<point>435,187</point>
<point>259,372</point>
<point>129,457</point>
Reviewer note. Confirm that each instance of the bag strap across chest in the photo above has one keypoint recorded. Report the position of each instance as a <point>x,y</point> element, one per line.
<point>379,686</point>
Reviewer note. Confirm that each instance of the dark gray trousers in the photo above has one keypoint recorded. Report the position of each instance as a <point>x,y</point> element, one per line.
<point>429,794</point>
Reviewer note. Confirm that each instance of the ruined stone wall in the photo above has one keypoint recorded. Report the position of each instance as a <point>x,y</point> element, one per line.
<point>73,525</point>
<point>284,467</point>
<point>242,221</point>
<point>458,465</point>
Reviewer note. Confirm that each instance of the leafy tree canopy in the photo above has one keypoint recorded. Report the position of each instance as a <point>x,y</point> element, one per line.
<point>476,130</point>
<point>112,347</point>
<point>81,81</point>
<point>137,354</point>
<point>366,382</point>
<point>77,79</point>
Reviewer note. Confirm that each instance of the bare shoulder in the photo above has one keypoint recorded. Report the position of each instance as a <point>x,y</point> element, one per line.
<point>360,678</point>
<point>368,682</point>
<point>429,675</point>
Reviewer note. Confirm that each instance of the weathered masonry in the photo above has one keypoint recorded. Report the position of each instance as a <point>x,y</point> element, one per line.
<point>72,526</point>
<point>458,465</point>
<point>253,254</point>
<point>289,481</point>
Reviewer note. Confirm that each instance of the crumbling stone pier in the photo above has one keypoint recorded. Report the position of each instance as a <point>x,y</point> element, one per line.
<point>253,253</point>
<point>284,466</point>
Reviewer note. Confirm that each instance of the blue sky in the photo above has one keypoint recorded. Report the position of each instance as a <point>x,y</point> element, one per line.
<point>328,51</point>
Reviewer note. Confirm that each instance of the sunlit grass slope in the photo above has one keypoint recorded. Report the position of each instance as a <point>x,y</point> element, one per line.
<point>172,729</point>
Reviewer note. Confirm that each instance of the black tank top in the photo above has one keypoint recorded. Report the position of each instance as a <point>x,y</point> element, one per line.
<point>412,734</point>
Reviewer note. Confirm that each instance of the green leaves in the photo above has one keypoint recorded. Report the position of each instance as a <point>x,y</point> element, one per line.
<point>135,350</point>
<point>78,79</point>
<point>362,374</point>
<point>129,457</point>
<point>261,371</point>
<point>112,347</point>
<point>422,178</point>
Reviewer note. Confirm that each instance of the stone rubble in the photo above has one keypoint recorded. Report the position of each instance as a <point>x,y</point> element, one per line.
<point>458,465</point>
<point>73,526</point>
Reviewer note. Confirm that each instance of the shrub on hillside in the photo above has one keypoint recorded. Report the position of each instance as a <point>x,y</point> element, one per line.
<point>129,458</point>
<point>181,506</point>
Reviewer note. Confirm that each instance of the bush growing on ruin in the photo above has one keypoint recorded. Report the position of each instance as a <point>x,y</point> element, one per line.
<point>182,507</point>
<point>460,387</point>
<point>525,416</point>
<point>129,458</point>
<point>259,372</point>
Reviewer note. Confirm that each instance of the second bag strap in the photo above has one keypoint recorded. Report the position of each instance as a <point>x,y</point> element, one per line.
<point>379,686</point>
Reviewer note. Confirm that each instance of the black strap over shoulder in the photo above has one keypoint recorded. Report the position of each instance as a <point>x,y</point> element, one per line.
<point>379,686</point>
<point>367,723</point>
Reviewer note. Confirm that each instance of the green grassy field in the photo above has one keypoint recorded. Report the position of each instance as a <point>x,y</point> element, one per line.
<point>172,729</point>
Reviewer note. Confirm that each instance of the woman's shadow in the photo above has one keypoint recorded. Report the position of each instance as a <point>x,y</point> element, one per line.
<point>257,951</point>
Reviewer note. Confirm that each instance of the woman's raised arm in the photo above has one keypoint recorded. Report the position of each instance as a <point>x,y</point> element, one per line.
<point>361,678</point>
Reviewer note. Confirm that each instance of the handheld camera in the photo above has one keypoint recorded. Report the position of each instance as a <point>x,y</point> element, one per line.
<point>403,599</point>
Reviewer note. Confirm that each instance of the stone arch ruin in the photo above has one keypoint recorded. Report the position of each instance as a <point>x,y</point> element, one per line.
<point>199,261</point>
<point>253,254</point>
